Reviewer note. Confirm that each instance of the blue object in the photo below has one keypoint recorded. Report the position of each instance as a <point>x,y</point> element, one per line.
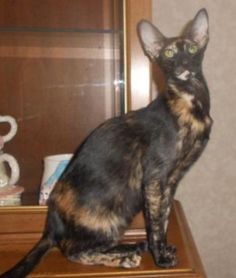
<point>57,173</point>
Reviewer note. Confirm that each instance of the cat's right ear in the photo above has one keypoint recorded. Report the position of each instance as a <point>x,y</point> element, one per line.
<point>198,29</point>
<point>151,39</point>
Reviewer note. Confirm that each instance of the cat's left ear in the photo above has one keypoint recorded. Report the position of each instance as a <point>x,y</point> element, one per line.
<point>198,29</point>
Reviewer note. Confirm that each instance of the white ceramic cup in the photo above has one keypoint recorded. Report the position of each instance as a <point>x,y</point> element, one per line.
<point>54,165</point>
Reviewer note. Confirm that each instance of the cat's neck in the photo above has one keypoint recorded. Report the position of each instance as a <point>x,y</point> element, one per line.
<point>193,90</point>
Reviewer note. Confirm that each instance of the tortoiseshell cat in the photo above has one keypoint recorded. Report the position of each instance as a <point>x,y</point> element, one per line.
<point>132,163</point>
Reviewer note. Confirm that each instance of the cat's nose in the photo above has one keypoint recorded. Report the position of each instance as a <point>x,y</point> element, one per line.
<point>179,70</point>
<point>182,73</point>
<point>185,62</point>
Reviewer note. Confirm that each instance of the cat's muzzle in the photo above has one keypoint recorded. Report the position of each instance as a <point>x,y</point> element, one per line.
<point>183,74</point>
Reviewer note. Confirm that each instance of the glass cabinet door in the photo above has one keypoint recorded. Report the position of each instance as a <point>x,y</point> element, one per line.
<point>61,75</point>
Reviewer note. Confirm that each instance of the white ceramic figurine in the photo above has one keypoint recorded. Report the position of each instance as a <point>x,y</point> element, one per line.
<point>9,193</point>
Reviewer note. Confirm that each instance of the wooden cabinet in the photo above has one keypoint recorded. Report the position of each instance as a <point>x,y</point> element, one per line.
<point>17,237</point>
<point>65,67</point>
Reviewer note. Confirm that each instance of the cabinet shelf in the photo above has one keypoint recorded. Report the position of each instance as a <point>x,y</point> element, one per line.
<point>58,30</point>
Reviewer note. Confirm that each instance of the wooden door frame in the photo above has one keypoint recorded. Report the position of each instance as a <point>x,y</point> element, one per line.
<point>137,65</point>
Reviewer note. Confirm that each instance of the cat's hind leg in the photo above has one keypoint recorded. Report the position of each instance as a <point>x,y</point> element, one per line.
<point>124,255</point>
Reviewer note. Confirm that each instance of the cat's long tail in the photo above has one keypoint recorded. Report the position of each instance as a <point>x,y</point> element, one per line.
<point>26,265</point>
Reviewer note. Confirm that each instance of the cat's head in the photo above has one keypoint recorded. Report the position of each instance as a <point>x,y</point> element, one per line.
<point>181,57</point>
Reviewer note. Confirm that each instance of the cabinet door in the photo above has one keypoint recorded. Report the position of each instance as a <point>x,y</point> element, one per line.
<point>62,70</point>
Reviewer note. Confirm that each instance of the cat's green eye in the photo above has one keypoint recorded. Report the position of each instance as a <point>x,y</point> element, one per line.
<point>192,48</point>
<point>169,53</point>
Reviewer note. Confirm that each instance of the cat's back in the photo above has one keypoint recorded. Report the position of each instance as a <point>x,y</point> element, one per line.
<point>112,149</point>
<point>124,134</point>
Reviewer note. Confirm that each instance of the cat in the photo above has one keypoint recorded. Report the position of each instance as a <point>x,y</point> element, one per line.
<point>133,163</point>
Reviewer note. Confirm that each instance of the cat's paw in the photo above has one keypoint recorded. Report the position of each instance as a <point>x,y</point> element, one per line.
<point>165,255</point>
<point>131,261</point>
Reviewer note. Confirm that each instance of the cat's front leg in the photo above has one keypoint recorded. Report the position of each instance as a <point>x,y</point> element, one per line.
<point>176,175</point>
<point>164,255</point>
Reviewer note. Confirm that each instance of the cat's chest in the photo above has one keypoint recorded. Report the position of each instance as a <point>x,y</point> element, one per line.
<point>191,118</point>
<point>192,132</point>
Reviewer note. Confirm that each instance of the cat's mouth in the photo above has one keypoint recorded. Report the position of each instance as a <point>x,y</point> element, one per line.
<point>184,74</point>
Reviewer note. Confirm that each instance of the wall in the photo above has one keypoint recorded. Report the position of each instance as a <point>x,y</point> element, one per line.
<point>208,192</point>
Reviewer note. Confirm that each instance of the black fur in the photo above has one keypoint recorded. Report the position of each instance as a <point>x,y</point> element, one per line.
<point>131,163</point>
<point>22,268</point>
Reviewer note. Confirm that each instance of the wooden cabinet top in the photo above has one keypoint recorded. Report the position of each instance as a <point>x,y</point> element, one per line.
<point>20,229</point>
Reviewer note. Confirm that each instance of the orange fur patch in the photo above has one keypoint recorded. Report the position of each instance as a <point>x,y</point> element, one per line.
<point>181,107</point>
<point>100,219</point>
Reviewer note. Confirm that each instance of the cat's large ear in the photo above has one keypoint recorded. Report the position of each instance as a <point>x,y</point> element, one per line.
<point>198,29</point>
<point>151,38</point>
